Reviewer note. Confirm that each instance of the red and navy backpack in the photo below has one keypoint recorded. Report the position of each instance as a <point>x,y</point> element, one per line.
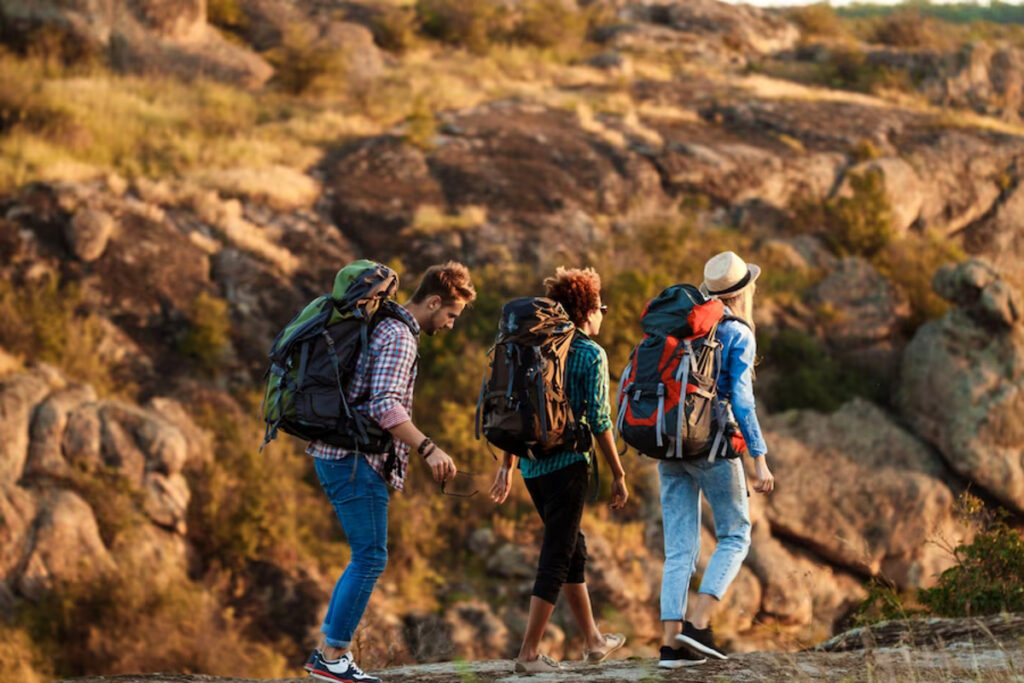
<point>657,416</point>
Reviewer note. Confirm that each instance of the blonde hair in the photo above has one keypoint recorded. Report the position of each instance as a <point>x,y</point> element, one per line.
<point>741,304</point>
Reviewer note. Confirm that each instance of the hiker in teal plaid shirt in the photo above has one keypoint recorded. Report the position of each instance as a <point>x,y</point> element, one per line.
<point>558,483</point>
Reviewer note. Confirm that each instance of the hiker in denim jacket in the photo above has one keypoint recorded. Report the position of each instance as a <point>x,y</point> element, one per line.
<point>357,483</point>
<point>558,483</point>
<point>723,482</point>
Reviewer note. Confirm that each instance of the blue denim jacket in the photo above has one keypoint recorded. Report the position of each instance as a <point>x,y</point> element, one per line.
<point>735,381</point>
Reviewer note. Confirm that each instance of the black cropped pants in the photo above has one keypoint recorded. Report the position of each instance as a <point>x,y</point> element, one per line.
<point>559,497</point>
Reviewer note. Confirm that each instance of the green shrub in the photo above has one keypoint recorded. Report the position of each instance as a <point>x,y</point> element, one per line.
<point>304,64</point>
<point>910,263</point>
<point>819,19</point>
<point>48,321</point>
<point>884,602</point>
<point>120,624</point>
<point>807,376</point>
<point>394,28</point>
<point>859,224</point>
<point>988,576</point>
<point>907,29</point>
<point>849,68</point>
<point>471,24</point>
<point>226,14</point>
<point>208,337</point>
<point>551,24</point>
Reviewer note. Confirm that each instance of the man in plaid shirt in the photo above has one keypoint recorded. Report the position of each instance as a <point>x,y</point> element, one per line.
<point>357,483</point>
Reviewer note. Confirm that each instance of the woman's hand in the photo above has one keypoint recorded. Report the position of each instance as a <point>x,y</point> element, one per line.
<point>620,494</point>
<point>765,479</point>
<point>502,485</point>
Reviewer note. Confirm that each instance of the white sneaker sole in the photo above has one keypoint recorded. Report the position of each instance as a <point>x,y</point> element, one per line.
<point>700,648</point>
<point>680,663</point>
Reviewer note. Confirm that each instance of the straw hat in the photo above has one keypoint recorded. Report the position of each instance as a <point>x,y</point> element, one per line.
<point>727,273</point>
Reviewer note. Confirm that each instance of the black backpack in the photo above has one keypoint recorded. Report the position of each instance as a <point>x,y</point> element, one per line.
<point>313,359</point>
<point>668,391</point>
<point>523,406</point>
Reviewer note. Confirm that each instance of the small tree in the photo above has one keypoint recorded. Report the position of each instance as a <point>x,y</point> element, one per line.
<point>988,576</point>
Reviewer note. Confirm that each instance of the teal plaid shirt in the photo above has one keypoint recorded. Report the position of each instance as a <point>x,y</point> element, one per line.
<point>586,377</point>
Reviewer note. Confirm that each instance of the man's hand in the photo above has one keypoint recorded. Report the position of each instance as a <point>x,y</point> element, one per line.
<point>765,479</point>
<point>441,465</point>
<point>502,485</point>
<point>620,494</point>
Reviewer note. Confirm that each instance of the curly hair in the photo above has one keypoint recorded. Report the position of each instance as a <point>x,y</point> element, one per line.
<point>449,281</point>
<point>577,289</point>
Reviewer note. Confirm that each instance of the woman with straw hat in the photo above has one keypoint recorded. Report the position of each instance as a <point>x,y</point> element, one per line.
<point>689,641</point>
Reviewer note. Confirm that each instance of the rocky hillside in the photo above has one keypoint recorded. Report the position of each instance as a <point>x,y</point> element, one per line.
<point>142,288</point>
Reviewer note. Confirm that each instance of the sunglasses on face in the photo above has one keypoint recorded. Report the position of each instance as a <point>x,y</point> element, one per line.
<point>603,308</point>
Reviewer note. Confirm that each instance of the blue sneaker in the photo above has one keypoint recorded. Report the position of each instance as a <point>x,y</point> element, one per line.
<point>341,669</point>
<point>311,662</point>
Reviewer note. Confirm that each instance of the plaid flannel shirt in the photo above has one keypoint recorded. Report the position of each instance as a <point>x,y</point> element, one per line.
<point>382,389</point>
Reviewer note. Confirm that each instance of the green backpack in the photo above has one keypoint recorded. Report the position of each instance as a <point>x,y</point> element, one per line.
<point>313,360</point>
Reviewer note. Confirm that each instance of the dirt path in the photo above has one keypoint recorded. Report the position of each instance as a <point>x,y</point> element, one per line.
<point>990,649</point>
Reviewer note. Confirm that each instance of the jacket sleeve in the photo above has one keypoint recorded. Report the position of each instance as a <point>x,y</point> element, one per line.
<point>595,386</point>
<point>394,357</point>
<point>740,363</point>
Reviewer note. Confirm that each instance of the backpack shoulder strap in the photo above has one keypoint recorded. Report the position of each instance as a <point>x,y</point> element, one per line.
<point>724,318</point>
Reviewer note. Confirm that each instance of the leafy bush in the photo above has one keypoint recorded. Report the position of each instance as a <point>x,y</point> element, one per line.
<point>910,264</point>
<point>807,375</point>
<point>907,29</point>
<point>47,321</point>
<point>849,68</point>
<point>550,24</point>
<point>884,602</point>
<point>861,223</point>
<point>208,336</point>
<point>119,624</point>
<point>471,24</point>
<point>394,28</point>
<point>226,14</point>
<point>304,64</point>
<point>819,19</point>
<point>988,576</point>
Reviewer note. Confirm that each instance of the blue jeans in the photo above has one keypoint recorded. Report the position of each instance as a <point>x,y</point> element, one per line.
<point>360,499</point>
<point>725,486</point>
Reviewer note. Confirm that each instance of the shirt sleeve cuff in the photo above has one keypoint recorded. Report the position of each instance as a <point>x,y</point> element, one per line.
<point>394,417</point>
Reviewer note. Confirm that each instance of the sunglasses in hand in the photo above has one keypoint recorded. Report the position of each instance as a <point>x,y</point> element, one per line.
<point>462,480</point>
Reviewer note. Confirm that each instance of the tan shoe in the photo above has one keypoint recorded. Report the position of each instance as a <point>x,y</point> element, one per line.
<point>612,642</point>
<point>542,665</point>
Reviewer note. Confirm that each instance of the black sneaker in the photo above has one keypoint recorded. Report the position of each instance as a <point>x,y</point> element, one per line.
<point>676,658</point>
<point>700,641</point>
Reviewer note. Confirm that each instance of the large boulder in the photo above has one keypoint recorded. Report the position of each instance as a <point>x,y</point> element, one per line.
<point>165,36</point>
<point>859,307</point>
<point>749,27</point>
<point>49,424</point>
<point>66,547</point>
<point>18,509</point>
<point>999,235</point>
<point>962,384</point>
<point>797,588</point>
<point>861,492</point>
<point>18,398</point>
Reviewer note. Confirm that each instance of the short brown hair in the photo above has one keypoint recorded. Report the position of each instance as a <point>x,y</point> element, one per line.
<point>449,281</point>
<point>577,289</point>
